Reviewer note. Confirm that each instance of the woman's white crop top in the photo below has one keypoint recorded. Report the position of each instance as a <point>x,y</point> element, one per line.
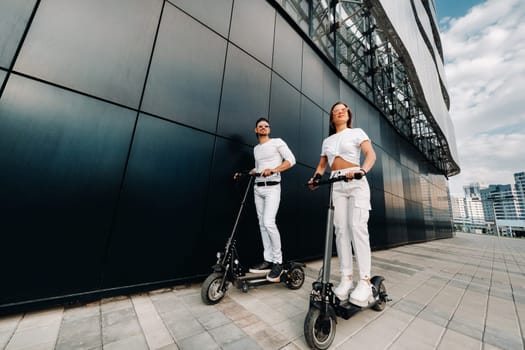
<point>345,144</point>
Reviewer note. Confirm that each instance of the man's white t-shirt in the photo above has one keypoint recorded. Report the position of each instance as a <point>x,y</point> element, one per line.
<point>270,155</point>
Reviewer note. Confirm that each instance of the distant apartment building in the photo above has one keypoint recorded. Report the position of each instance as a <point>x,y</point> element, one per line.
<point>495,209</point>
<point>519,184</point>
<point>468,211</point>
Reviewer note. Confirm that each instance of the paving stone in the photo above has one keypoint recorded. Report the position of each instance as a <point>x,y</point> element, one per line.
<point>467,292</point>
<point>201,341</point>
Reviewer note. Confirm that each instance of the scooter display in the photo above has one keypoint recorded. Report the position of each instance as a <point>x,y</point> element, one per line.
<point>325,307</point>
<point>228,270</point>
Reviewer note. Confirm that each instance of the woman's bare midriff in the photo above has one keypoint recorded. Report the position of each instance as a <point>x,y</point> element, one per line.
<point>339,163</point>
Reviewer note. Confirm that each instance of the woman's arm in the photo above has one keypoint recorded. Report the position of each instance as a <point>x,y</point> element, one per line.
<point>370,156</point>
<point>321,167</point>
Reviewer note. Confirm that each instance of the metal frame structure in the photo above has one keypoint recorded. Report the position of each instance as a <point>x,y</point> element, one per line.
<point>355,38</point>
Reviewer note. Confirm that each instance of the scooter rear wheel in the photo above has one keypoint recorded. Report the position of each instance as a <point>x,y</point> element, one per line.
<point>295,278</point>
<point>381,303</point>
<point>211,292</point>
<point>319,329</point>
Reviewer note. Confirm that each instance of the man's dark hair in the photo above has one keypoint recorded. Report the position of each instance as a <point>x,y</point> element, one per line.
<point>260,120</point>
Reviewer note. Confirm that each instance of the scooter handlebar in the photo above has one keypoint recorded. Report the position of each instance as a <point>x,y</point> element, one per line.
<point>245,173</point>
<point>318,181</point>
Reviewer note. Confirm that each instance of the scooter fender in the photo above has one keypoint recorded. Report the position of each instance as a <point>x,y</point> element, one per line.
<point>324,307</point>
<point>376,281</point>
<point>294,264</point>
<point>218,268</point>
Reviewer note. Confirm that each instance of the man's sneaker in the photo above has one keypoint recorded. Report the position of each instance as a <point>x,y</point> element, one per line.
<point>263,267</point>
<point>344,288</point>
<point>275,274</point>
<point>362,294</point>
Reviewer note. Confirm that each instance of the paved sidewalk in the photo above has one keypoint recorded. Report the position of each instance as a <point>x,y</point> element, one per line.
<point>467,292</point>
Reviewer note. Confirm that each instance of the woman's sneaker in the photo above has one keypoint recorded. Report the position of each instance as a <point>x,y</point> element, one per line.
<point>275,273</point>
<point>263,267</point>
<point>344,288</point>
<point>362,294</point>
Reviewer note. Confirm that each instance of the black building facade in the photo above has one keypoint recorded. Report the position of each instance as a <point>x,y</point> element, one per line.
<point>123,121</point>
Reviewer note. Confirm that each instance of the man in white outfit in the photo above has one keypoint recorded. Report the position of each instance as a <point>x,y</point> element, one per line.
<point>272,157</point>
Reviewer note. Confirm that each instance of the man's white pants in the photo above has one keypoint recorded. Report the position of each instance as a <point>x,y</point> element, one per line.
<point>351,202</point>
<point>267,199</point>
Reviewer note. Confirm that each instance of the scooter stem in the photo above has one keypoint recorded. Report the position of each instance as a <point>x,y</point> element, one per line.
<point>239,213</point>
<point>328,240</point>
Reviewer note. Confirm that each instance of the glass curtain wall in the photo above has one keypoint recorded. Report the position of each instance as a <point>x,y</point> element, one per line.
<point>349,35</point>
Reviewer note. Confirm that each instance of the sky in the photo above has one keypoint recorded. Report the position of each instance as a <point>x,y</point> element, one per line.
<point>484,46</point>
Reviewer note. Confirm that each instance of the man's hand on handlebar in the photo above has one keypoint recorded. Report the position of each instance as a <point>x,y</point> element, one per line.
<point>313,183</point>
<point>238,175</point>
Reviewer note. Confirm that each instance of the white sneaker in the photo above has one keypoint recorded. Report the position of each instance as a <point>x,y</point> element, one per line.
<point>344,288</point>
<point>362,294</point>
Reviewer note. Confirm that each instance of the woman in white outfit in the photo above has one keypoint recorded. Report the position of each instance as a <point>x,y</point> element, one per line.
<point>351,200</point>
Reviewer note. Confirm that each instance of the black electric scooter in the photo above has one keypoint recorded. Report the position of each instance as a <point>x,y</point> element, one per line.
<point>325,306</point>
<point>228,270</point>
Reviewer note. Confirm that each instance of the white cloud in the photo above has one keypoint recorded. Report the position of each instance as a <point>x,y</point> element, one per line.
<point>485,68</point>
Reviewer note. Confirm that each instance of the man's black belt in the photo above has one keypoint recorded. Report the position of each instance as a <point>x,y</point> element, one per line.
<point>267,183</point>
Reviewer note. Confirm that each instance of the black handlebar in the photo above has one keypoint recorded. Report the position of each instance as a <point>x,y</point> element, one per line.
<point>247,173</point>
<point>318,181</point>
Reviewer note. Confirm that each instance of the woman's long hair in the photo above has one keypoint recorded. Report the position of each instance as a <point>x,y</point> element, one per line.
<point>348,123</point>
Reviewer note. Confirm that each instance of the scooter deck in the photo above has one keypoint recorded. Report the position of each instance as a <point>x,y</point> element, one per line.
<point>249,276</point>
<point>254,279</point>
<point>347,310</point>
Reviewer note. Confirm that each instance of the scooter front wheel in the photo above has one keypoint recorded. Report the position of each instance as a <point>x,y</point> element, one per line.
<point>211,292</point>
<point>319,328</point>
<point>295,278</point>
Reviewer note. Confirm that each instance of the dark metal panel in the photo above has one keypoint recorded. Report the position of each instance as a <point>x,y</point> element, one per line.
<point>160,216</point>
<point>375,175</point>
<point>373,127</point>
<point>305,214</point>
<point>285,112</point>
<point>377,223</point>
<point>215,14</point>
<point>312,75</point>
<point>330,88</point>
<point>184,83</point>
<point>98,47</point>
<point>361,115</point>
<point>224,200</point>
<point>2,76</point>
<point>387,172</point>
<point>62,157</point>
<point>14,15</point>
<point>287,53</point>
<point>389,139</point>
<point>348,96</point>
<point>252,28</point>
<point>310,133</point>
<point>245,96</point>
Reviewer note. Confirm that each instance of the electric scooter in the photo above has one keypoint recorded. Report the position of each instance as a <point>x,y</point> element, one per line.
<point>228,270</point>
<point>325,306</point>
